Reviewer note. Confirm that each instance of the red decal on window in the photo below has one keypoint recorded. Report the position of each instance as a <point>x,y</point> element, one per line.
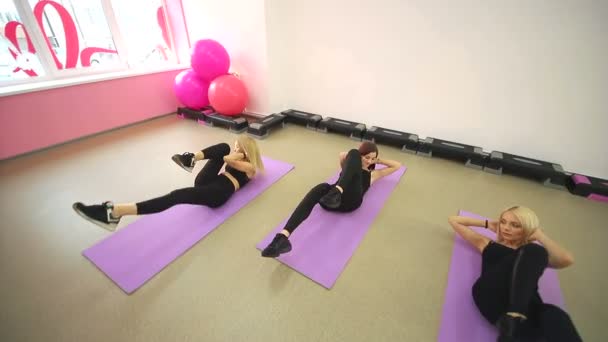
<point>69,28</point>
<point>85,55</point>
<point>162,23</point>
<point>10,31</point>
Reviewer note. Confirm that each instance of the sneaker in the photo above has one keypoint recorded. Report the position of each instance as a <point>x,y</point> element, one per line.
<point>279,245</point>
<point>508,328</point>
<point>332,199</point>
<point>184,160</point>
<point>100,214</point>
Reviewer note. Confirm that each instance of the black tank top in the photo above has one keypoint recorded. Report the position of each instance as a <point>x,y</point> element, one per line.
<point>240,176</point>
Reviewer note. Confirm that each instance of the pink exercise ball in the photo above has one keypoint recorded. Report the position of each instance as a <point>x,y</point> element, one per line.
<point>191,90</point>
<point>228,95</point>
<point>209,59</point>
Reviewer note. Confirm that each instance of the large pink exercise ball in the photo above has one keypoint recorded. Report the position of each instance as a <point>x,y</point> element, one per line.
<point>191,90</point>
<point>228,95</point>
<point>209,59</point>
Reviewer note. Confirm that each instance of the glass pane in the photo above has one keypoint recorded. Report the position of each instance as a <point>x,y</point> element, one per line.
<point>18,59</point>
<point>77,32</point>
<point>143,27</point>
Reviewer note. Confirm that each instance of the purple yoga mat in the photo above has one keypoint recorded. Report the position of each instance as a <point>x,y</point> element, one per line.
<point>324,243</point>
<point>460,320</point>
<point>135,253</point>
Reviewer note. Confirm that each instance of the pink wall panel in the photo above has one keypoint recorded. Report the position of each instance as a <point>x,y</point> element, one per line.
<point>40,119</point>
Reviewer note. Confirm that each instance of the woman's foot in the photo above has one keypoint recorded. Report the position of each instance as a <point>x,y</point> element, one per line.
<point>332,199</point>
<point>100,214</point>
<point>508,328</point>
<point>279,245</point>
<point>185,160</point>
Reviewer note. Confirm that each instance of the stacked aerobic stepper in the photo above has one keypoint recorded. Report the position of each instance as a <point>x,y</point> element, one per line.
<point>497,162</point>
<point>209,117</point>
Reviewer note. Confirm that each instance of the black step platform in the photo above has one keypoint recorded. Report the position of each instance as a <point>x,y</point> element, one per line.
<point>407,142</point>
<point>587,186</point>
<point>355,130</point>
<point>194,114</point>
<point>473,156</point>
<point>262,128</point>
<point>236,124</point>
<point>297,117</point>
<point>550,174</point>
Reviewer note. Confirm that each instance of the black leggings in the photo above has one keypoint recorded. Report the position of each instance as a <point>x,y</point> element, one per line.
<point>511,286</point>
<point>349,181</point>
<point>210,189</point>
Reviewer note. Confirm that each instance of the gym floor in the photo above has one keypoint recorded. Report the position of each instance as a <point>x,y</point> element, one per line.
<point>221,289</point>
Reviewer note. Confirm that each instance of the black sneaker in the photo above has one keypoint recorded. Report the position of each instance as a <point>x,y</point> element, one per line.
<point>332,199</point>
<point>185,160</point>
<point>508,328</point>
<point>98,214</point>
<point>279,245</point>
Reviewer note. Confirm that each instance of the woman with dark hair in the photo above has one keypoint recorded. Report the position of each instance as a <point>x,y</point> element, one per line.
<point>346,195</point>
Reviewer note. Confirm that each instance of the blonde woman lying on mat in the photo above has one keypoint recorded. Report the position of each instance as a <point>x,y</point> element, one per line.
<point>506,292</point>
<point>211,188</point>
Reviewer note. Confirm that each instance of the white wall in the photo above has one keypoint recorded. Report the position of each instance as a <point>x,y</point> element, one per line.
<point>239,25</point>
<point>528,77</point>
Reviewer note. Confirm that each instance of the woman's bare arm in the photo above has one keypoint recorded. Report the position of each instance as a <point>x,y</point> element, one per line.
<point>391,166</point>
<point>559,257</point>
<point>462,225</point>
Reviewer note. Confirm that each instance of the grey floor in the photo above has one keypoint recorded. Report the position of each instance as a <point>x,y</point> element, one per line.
<point>221,289</point>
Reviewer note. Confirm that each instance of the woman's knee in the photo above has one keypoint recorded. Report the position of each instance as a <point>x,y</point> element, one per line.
<point>320,188</point>
<point>535,250</point>
<point>217,151</point>
<point>352,160</point>
<point>223,148</point>
<point>353,153</point>
<point>317,192</point>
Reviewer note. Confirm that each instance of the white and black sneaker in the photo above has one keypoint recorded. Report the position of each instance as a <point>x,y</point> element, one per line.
<point>100,214</point>
<point>185,160</point>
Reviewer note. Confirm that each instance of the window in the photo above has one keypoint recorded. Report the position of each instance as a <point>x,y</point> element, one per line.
<point>146,32</point>
<point>53,39</point>
<point>76,33</point>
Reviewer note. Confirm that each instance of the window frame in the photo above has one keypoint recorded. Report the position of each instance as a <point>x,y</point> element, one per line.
<point>54,77</point>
